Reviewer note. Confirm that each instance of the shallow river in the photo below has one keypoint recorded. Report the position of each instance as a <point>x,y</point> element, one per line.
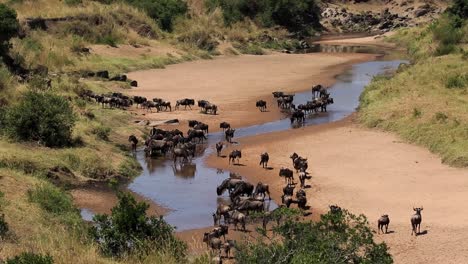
<point>190,190</point>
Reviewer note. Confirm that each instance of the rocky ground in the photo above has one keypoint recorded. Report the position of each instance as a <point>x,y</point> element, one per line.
<point>377,15</point>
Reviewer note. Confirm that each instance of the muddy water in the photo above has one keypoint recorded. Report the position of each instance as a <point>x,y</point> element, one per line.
<point>190,190</point>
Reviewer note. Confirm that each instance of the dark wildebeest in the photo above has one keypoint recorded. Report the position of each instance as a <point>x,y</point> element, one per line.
<point>229,134</point>
<point>224,125</point>
<point>287,174</point>
<point>228,245</point>
<point>299,163</point>
<point>223,210</point>
<point>252,205</point>
<point>301,199</point>
<point>221,230</point>
<point>212,108</point>
<point>149,105</point>
<point>185,102</point>
<point>196,133</point>
<point>134,140</point>
<point>193,123</point>
<point>235,154</point>
<point>264,158</point>
<point>278,94</point>
<point>212,242</point>
<point>202,104</point>
<point>316,90</point>
<point>237,217</point>
<point>262,105</point>
<point>383,221</point>
<point>262,189</point>
<point>227,184</point>
<point>202,126</point>
<point>139,100</point>
<point>298,116</point>
<point>416,220</point>
<point>288,189</point>
<point>287,200</point>
<point>302,177</point>
<point>166,105</point>
<point>180,153</point>
<point>219,147</point>
<point>242,188</point>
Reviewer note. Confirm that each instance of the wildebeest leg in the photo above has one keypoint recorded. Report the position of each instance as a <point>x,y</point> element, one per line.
<point>386,228</point>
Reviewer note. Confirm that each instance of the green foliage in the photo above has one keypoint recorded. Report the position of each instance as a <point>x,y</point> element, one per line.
<point>102,132</point>
<point>457,81</point>
<point>42,117</point>
<point>297,16</point>
<point>339,237</point>
<point>9,25</point>
<point>30,258</point>
<point>3,227</point>
<point>163,11</point>
<point>459,8</point>
<point>129,168</point>
<point>73,2</point>
<point>249,48</point>
<point>448,34</point>
<point>52,199</point>
<point>128,230</point>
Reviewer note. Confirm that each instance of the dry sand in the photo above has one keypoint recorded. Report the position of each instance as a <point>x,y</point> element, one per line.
<point>235,83</point>
<point>373,173</point>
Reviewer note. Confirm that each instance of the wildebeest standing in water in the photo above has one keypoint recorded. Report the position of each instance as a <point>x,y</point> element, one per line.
<point>235,154</point>
<point>416,220</point>
<point>134,140</point>
<point>264,158</point>
<point>383,221</point>
<point>229,134</point>
<point>262,105</point>
<point>219,147</point>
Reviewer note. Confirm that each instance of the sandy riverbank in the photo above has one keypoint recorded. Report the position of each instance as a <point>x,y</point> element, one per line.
<point>373,173</point>
<point>236,83</point>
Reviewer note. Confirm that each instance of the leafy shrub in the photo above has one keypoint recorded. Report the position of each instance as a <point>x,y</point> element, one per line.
<point>299,16</point>
<point>457,81</point>
<point>128,229</point>
<point>162,11</point>
<point>30,258</point>
<point>448,33</point>
<point>339,237</point>
<point>9,26</point>
<point>129,168</point>
<point>42,117</point>
<point>102,132</point>
<point>73,2</point>
<point>459,8</point>
<point>3,227</point>
<point>249,48</point>
<point>52,199</point>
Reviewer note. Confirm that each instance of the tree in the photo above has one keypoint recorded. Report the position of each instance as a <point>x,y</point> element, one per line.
<point>339,237</point>
<point>9,27</point>
<point>459,8</point>
<point>128,229</point>
<point>163,11</point>
<point>43,117</point>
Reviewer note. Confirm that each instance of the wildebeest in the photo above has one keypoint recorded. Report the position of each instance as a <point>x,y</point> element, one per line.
<point>196,133</point>
<point>223,210</point>
<point>285,101</point>
<point>302,177</point>
<point>237,217</point>
<point>252,205</point>
<point>219,147</point>
<point>166,105</point>
<point>149,105</point>
<point>228,245</point>
<point>262,189</point>
<point>383,221</point>
<point>139,100</point>
<point>262,105</point>
<point>264,158</point>
<point>316,90</point>
<point>229,134</point>
<point>211,108</point>
<point>278,94</point>
<point>193,123</point>
<point>227,184</point>
<point>153,146</point>
<point>235,154</point>
<point>287,174</point>
<point>185,102</point>
<point>180,153</point>
<point>202,104</point>
<point>416,220</point>
<point>212,242</point>
<point>287,200</point>
<point>298,116</point>
<point>301,199</point>
<point>134,140</point>
<point>221,230</point>
<point>299,163</point>
<point>201,126</point>
<point>288,189</point>
<point>241,188</point>
<point>224,125</point>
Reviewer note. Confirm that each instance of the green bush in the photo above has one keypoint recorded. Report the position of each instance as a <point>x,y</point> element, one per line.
<point>459,8</point>
<point>3,227</point>
<point>162,11</point>
<point>9,26</point>
<point>30,258</point>
<point>448,34</point>
<point>457,81</point>
<point>73,2</point>
<point>298,16</point>
<point>102,132</point>
<point>42,117</point>
<point>339,237</point>
<point>52,199</point>
<point>128,230</point>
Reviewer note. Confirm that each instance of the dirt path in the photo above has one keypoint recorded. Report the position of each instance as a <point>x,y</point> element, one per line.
<point>235,83</point>
<point>373,173</point>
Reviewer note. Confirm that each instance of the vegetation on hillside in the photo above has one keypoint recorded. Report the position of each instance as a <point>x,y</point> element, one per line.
<point>427,103</point>
<point>339,237</point>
